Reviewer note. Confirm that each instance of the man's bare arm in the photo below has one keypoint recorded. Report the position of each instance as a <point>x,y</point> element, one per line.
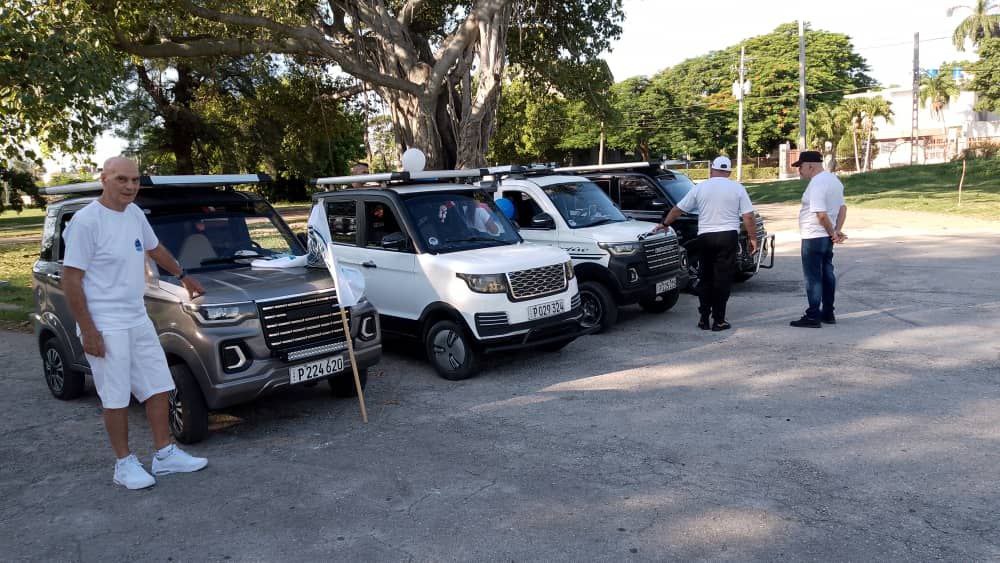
<point>751,227</point>
<point>841,217</point>
<point>670,218</point>
<point>824,220</point>
<point>72,286</point>
<point>166,260</point>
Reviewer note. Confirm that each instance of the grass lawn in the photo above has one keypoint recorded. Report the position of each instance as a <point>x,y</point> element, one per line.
<point>16,300</point>
<point>26,223</point>
<point>932,188</point>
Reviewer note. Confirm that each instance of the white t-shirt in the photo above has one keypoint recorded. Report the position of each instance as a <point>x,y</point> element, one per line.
<point>824,193</point>
<point>719,203</point>
<point>110,247</point>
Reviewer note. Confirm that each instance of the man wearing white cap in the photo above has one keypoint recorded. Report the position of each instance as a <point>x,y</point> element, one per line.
<point>720,204</point>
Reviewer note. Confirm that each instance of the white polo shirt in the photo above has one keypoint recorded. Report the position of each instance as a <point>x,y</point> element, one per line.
<point>110,247</point>
<point>824,193</point>
<point>719,202</point>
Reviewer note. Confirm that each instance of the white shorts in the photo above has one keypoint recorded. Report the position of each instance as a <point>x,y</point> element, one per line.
<point>133,364</point>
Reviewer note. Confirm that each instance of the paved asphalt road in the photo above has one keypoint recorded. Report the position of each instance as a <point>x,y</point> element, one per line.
<point>875,439</point>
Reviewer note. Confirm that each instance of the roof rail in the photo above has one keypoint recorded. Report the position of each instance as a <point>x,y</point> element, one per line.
<point>522,169</point>
<point>401,177</point>
<point>616,166</point>
<point>191,180</point>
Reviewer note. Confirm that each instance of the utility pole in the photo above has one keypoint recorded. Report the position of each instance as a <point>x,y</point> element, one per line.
<point>600,150</point>
<point>915,114</point>
<point>740,89</point>
<point>802,87</point>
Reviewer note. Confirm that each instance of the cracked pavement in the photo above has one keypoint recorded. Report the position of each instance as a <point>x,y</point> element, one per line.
<point>875,439</point>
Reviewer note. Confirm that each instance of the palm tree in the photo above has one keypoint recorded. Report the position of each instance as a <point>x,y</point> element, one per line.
<point>938,89</point>
<point>978,26</point>
<point>872,109</point>
<point>848,114</point>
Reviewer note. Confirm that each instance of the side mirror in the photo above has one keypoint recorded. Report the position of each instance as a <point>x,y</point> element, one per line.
<point>543,221</point>
<point>303,238</point>
<point>394,241</point>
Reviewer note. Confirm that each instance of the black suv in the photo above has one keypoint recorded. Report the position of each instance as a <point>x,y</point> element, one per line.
<point>646,191</point>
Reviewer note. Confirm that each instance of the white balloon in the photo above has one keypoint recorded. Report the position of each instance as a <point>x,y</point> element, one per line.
<point>413,160</point>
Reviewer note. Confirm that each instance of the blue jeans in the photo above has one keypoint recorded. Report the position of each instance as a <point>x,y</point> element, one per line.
<point>821,282</point>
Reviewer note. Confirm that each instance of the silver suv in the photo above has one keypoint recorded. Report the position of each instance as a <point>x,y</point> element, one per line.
<point>254,331</point>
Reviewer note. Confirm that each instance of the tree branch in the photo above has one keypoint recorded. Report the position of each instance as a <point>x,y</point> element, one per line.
<point>453,48</point>
<point>408,12</point>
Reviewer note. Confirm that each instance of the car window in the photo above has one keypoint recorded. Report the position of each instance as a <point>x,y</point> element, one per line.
<point>638,193</point>
<point>343,219</point>
<point>63,223</point>
<point>582,204</point>
<point>380,220</point>
<point>454,221</point>
<point>677,185</point>
<point>525,207</point>
<point>605,185</point>
<point>48,235</point>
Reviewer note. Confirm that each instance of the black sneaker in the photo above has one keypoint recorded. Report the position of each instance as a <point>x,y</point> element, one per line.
<point>829,319</point>
<point>806,322</point>
<point>703,324</point>
<point>724,325</point>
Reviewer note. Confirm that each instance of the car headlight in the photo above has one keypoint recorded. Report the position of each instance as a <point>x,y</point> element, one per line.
<point>570,274</point>
<point>621,248</point>
<point>485,283</point>
<point>221,313</point>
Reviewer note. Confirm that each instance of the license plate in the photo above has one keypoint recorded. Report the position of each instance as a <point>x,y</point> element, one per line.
<point>312,370</point>
<point>543,310</point>
<point>666,285</point>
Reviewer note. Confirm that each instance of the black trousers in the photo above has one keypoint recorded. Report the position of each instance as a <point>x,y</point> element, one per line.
<point>716,268</point>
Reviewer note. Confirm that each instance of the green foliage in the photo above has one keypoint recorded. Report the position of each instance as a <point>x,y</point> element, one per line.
<point>57,68</point>
<point>987,80</point>
<point>979,25</point>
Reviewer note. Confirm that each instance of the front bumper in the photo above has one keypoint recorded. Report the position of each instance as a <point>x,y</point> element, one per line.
<point>747,263</point>
<point>634,282</point>
<point>559,328</point>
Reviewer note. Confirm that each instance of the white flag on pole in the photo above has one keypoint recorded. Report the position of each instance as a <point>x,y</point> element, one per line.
<point>350,282</point>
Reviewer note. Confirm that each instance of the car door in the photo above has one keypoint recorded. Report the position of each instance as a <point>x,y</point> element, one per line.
<point>48,279</point>
<point>641,199</point>
<point>389,267</point>
<point>525,209</point>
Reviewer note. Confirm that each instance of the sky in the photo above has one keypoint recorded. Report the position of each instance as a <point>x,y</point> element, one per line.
<point>660,33</point>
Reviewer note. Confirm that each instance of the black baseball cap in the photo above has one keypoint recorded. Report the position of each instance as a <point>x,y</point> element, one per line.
<point>808,156</point>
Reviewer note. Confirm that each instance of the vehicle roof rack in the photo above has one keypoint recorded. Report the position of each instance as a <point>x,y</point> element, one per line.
<point>189,180</point>
<point>616,166</point>
<point>522,169</point>
<point>401,177</point>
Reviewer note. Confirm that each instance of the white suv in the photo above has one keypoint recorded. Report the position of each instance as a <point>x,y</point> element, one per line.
<point>444,266</point>
<point>617,260</point>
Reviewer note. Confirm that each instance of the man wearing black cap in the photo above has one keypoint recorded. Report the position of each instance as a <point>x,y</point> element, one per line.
<point>821,219</point>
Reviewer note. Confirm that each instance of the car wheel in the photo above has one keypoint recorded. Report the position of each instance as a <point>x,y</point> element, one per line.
<point>451,351</point>
<point>661,303</point>
<point>741,277</point>
<point>343,385</point>
<point>187,412</point>
<point>599,307</point>
<point>64,382</point>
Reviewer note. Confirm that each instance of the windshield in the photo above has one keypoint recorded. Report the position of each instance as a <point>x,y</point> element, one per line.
<point>231,235</point>
<point>677,185</point>
<point>450,221</point>
<point>583,204</point>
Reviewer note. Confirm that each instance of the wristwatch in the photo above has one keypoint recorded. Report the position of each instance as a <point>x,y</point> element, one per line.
<point>181,275</point>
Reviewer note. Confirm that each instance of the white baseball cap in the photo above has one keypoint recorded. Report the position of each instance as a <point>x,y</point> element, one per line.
<point>722,163</point>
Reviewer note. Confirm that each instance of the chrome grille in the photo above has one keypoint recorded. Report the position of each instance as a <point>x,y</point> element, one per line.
<point>537,282</point>
<point>299,321</point>
<point>662,253</point>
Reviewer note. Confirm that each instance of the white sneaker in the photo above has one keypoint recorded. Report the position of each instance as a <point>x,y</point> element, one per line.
<point>176,460</point>
<point>130,473</point>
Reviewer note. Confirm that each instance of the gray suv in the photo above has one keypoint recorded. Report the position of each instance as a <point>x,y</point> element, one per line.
<point>254,331</point>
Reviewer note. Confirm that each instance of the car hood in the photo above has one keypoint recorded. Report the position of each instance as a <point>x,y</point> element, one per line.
<point>625,231</point>
<point>495,260</point>
<point>251,284</point>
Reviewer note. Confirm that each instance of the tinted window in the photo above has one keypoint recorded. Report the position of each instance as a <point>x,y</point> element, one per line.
<point>449,221</point>
<point>677,185</point>
<point>343,218</point>
<point>63,223</point>
<point>525,207</point>
<point>583,204</point>
<point>605,185</point>
<point>380,221</point>
<point>637,193</point>
<point>48,236</point>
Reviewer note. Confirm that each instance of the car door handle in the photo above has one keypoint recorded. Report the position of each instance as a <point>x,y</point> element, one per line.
<point>369,264</point>
<point>55,277</point>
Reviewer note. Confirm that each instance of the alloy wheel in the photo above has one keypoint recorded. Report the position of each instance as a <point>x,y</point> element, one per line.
<point>55,375</point>
<point>449,348</point>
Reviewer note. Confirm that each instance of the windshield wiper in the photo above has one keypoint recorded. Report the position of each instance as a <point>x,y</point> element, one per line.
<point>243,255</point>
<point>603,222</point>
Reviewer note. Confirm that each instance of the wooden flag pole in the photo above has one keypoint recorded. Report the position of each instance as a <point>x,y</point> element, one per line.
<point>350,354</point>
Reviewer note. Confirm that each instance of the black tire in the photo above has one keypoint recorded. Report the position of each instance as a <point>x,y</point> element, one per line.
<point>64,382</point>
<point>599,307</point>
<point>451,351</point>
<point>342,385</point>
<point>741,277</point>
<point>661,303</point>
<point>187,413</point>
<point>555,346</point>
